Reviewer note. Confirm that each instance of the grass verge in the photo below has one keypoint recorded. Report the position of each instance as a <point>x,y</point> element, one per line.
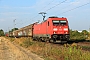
<point>53,52</point>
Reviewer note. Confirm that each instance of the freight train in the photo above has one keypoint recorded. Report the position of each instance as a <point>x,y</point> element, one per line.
<point>53,29</point>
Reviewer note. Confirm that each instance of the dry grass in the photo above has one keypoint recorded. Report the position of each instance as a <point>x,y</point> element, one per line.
<point>53,52</point>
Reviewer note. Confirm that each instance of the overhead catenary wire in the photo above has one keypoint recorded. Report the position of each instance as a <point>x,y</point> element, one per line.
<point>44,7</point>
<point>41,9</point>
<point>75,8</point>
<point>52,7</point>
<point>62,12</point>
<point>55,5</point>
<point>69,5</point>
<point>66,6</point>
<point>47,4</point>
<point>46,10</point>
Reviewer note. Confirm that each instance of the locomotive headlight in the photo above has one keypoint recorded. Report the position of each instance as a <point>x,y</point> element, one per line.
<point>65,29</point>
<point>55,29</point>
<point>66,32</point>
<point>54,32</point>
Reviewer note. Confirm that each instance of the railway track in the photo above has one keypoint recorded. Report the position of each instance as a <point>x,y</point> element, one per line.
<point>85,44</point>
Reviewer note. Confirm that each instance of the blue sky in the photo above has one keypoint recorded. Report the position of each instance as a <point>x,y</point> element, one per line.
<point>26,12</point>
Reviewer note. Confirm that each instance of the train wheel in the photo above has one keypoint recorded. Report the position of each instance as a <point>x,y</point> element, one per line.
<point>50,40</point>
<point>33,39</point>
<point>54,41</point>
<point>39,39</point>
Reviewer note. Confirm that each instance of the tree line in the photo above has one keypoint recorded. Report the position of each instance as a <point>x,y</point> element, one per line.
<point>2,33</point>
<point>75,35</point>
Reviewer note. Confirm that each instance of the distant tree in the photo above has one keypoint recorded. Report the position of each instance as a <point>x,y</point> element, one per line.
<point>85,32</point>
<point>13,29</point>
<point>75,35</point>
<point>1,32</point>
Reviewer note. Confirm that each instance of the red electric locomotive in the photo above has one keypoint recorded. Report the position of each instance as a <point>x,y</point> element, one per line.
<point>53,28</point>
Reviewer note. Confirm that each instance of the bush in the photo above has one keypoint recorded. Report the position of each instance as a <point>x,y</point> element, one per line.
<point>75,35</point>
<point>27,43</point>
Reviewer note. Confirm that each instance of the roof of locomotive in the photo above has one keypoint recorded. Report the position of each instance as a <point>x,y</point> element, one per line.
<point>57,18</point>
<point>54,18</point>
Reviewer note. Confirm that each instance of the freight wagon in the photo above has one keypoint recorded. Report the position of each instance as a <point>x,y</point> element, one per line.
<point>22,32</point>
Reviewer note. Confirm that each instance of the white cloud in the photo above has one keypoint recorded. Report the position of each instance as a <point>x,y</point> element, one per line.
<point>2,20</point>
<point>14,13</point>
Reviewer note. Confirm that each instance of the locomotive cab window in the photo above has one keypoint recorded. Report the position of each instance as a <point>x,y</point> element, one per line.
<point>63,22</point>
<point>55,22</point>
<point>59,22</point>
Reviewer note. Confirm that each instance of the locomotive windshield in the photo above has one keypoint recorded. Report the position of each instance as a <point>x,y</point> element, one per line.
<point>59,22</point>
